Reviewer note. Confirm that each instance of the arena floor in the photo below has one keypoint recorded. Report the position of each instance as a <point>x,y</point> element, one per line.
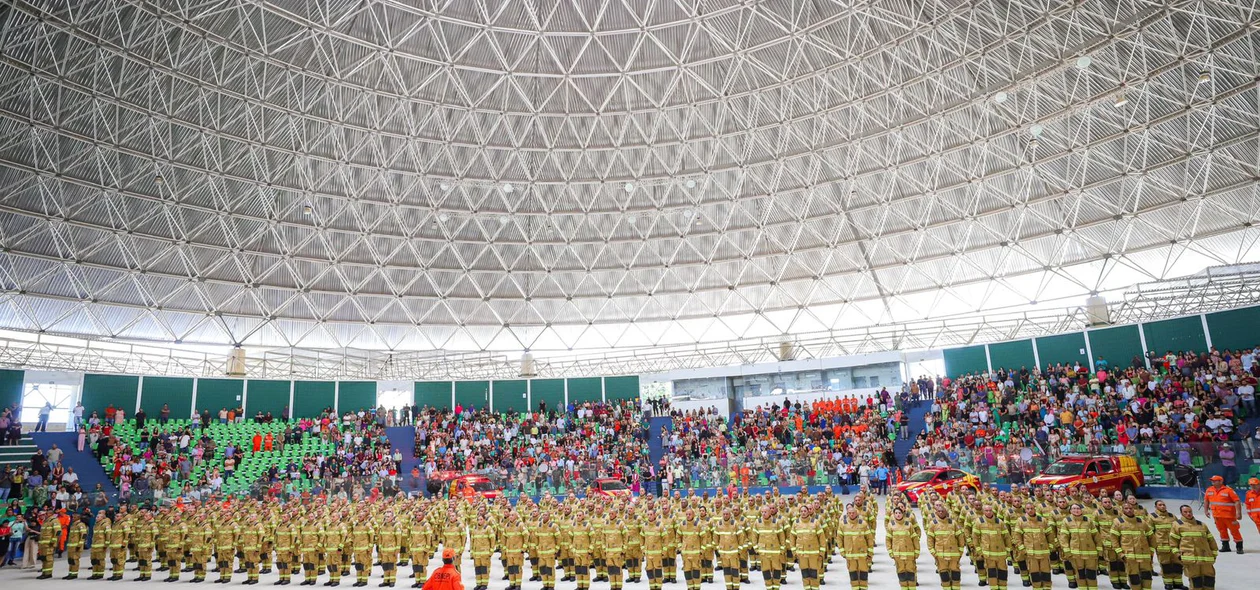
<point>1233,571</point>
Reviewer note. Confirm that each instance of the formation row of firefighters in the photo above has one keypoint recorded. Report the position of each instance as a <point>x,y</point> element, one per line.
<point>1034,533</point>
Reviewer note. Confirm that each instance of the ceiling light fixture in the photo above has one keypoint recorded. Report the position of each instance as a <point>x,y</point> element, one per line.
<point>444,217</point>
<point>1000,97</point>
<point>444,186</point>
<point>504,219</point>
<point>629,186</point>
<point>1083,62</point>
<point>1036,130</point>
<point>1205,76</point>
<point>1121,100</point>
<point>507,187</point>
<point>691,183</point>
<point>307,210</point>
<point>157,178</point>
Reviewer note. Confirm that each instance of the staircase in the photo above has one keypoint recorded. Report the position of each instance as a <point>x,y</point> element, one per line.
<point>18,455</point>
<point>403,438</point>
<point>902,447</point>
<point>656,447</point>
<point>85,465</point>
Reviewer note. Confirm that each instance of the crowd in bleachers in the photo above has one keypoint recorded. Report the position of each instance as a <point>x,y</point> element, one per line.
<point>554,450</point>
<point>226,453</point>
<point>1005,425</point>
<point>1185,408</point>
<point>843,441</point>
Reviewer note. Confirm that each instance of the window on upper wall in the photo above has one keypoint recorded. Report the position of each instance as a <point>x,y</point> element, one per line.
<point>62,396</point>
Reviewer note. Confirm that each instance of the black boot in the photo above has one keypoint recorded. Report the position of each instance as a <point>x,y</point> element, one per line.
<point>1238,547</point>
<point>1224,546</point>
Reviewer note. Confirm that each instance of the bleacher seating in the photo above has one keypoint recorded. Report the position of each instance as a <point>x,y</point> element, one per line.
<point>250,466</point>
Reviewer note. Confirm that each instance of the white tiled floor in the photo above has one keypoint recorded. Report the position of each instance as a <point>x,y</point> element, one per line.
<point>1233,572</point>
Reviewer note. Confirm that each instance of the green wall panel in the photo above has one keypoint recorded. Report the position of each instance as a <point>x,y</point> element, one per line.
<point>1234,329</point>
<point>509,396</point>
<point>1062,348</point>
<point>472,393</point>
<point>619,388</point>
<point>1176,335</point>
<point>435,394</point>
<point>310,398</point>
<point>1115,345</point>
<point>586,389</point>
<point>175,392</point>
<point>214,394</point>
<point>1012,355</point>
<point>266,395</point>
<point>961,361</point>
<point>548,390</point>
<point>11,385</point>
<point>356,395</point>
<point>102,391</point>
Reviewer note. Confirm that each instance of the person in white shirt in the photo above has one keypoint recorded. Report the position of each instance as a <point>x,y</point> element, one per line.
<point>1247,395</point>
<point>70,476</point>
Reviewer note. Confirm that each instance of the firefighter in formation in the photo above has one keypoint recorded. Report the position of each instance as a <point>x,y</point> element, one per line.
<point>1029,534</point>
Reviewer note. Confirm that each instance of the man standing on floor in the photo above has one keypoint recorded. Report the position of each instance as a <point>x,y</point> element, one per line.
<point>1252,503</point>
<point>946,542</point>
<point>1134,539</point>
<point>1192,539</point>
<point>1225,508</point>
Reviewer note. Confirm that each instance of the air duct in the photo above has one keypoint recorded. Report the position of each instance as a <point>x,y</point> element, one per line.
<point>527,366</point>
<point>1097,313</point>
<point>787,351</point>
<point>236,363</point>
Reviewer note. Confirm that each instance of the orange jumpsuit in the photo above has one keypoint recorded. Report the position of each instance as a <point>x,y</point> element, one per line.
<point>1223,504</point>
<point>1252,505</point>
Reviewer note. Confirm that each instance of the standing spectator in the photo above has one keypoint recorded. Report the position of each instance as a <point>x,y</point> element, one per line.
<point>77,416</point>
<point>164,414</point>
<point>54,456</point>
<point>1228,462</point>
<point>44,413</point>
<point>17,534</point>
<point>880,480</point>
<point>140,417</point>
<point>30,548</point>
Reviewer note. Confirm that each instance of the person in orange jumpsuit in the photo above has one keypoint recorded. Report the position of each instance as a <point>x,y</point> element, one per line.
<point>64,519</point>
<point>445,577</point>
<point>257,442</point>
<point>1252,503</point>
<point>1224,507</point>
